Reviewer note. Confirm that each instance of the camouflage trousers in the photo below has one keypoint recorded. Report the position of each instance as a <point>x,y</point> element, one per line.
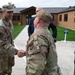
<point>5,66</point>
<point>5,70</point>
<point>38,72</point>
<point>56,71</point>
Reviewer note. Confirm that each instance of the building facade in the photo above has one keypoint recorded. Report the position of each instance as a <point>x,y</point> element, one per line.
<point>64,17</point>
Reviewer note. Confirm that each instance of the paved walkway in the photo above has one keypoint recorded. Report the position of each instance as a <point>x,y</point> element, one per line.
<point>65,51</point>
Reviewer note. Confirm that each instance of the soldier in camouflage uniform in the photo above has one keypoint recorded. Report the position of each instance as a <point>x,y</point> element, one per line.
<point>41,50</point>
<point>7,50</point>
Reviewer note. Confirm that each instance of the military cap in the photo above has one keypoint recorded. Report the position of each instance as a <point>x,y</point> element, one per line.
<point>8,7</point>
<point>44,16</point>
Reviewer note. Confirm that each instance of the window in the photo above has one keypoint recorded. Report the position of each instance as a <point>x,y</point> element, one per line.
<point>60,17</point>
<point>16,18</point>
<point>65,17</point>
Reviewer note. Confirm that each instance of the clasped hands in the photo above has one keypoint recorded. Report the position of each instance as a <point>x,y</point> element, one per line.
<point>21,53</point>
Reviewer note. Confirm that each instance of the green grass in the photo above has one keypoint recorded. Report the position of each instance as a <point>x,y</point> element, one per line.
<point>17,30</point>
<point>60,34</point>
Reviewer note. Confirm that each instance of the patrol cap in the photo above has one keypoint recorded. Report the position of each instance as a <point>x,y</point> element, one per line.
<point>7,7</point>
<point>44,16</point>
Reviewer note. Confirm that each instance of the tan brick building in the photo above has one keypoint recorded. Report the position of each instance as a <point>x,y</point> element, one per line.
<point>62,16</point>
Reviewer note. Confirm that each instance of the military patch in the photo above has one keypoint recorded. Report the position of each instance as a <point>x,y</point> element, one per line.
<point>36,42</point>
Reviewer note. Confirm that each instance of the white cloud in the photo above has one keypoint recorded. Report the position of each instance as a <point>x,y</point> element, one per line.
<point>40,3</point>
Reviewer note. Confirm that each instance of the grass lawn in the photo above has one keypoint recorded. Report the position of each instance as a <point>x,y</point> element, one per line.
<point>17,29</point>
<point>60,34</point>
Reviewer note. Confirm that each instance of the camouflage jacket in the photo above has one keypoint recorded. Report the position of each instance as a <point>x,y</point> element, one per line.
<point>41,51</point>
<point>7,50</point>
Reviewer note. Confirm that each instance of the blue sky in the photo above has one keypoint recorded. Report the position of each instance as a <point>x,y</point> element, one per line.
<point>39,3</point>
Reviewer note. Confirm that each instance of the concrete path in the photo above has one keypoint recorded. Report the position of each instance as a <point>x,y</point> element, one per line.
<point>20,63</point>
<point>65,51</point>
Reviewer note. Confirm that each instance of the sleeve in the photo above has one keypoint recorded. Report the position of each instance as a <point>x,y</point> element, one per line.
<point>38,45</point>
<point>4,43</point>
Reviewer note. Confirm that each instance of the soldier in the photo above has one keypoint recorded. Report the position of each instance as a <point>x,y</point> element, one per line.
<point>51,26</point>
<point>41,50</point>
<point>7,50</point>
<point>31,28</point>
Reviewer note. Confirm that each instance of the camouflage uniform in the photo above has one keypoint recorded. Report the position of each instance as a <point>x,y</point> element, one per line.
<point>41,54</point>
<point>7,50</point>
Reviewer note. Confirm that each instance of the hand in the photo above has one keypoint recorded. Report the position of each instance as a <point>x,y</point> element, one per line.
<point>21,53</point>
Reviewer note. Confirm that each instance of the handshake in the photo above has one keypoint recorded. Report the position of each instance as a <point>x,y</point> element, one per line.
<point>21,53</point>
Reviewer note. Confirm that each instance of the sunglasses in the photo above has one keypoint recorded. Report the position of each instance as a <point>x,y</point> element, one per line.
<point>9,11</point>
